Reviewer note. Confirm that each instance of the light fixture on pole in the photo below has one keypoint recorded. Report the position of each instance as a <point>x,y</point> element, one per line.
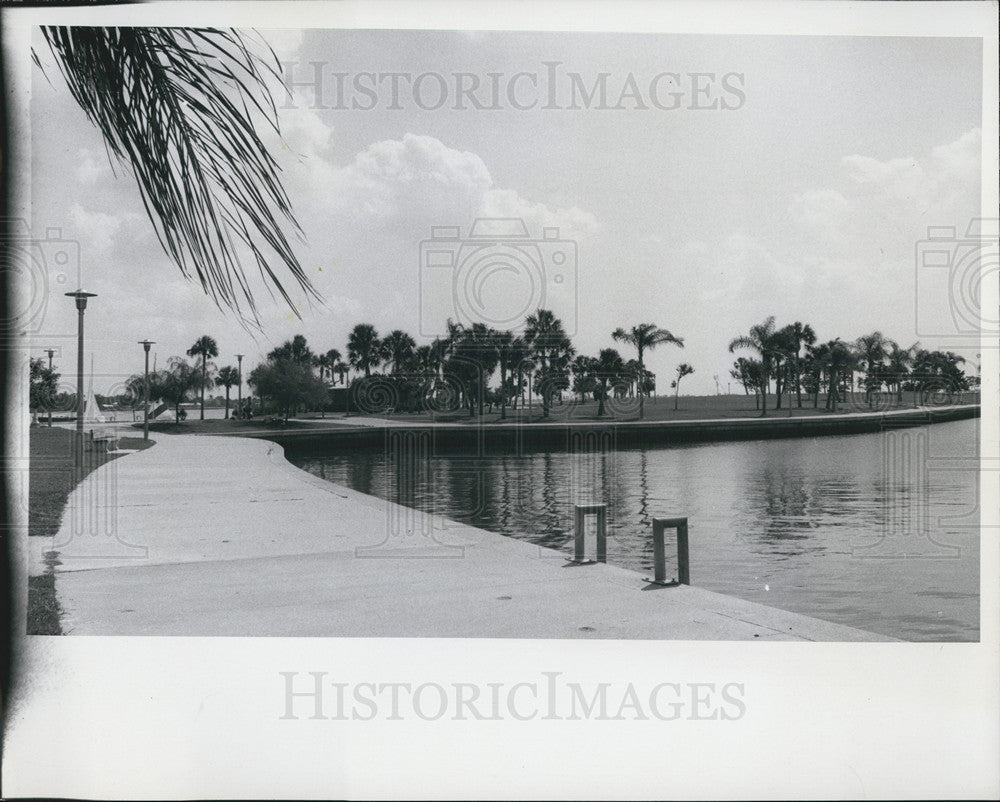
<point>145,398</point>
<point>50,352</point>
<point>81,305</point>
<point>239,389</point>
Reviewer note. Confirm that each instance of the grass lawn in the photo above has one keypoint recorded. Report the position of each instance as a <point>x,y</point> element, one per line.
<point>221,426</point>
<point>53,476</point>
<point>571,409</point>
<point>662,409</point>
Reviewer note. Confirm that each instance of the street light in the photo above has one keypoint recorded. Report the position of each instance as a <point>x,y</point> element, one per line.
<point>50,352</point>
<point>239,389</point>
<point>145,414</point>
<point>81,304</point>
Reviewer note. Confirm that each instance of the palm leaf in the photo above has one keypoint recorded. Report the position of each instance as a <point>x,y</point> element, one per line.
<point>178,106</point>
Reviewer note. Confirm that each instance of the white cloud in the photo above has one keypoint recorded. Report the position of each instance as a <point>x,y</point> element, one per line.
<point>99,232</point>
<point>88,171</point>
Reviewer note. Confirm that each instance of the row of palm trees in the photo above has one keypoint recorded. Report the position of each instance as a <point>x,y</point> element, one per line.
<point>795,360</point>
<point>541,359</point>
<point>458,369</point>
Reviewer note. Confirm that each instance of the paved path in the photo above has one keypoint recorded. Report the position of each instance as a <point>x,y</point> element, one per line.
<point>222,536</point>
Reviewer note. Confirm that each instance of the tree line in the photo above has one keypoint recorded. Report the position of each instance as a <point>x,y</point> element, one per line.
<point>792,357</point>
<point>477,368</point>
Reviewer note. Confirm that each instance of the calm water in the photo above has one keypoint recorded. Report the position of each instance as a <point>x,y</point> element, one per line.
<point>878,531</point>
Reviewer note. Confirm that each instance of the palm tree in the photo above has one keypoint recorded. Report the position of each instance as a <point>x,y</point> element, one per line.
<point>397,348</point>
<point>179,107</point>
<point>608,367</point>
<point>900,362</point>
<point>584,379</point>
<point>204,347</point>
<point>796,336</point>
<point>364,348</point>
<point>683,369</point>
<point>645,337</point>
<point>295,349</point>
<point>474,358</point>
<point>511,352</point>
<point>838,360</point>
<point>328,363</point>
<point>227,377</point>
<point>872,350</point>
<point>551,349</point>
<point>764,340</point>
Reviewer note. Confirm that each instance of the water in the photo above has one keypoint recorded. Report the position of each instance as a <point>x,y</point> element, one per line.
<point>877,531</point>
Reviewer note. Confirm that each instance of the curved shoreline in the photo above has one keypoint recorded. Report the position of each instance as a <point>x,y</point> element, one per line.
<point>618,433</point>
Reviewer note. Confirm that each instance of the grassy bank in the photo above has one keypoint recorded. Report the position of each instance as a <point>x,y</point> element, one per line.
<point>689,408</point>
<point>221,426</point>
<point>52,476</point>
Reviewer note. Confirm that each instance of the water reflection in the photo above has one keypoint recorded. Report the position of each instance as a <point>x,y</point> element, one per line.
<point>809,525</point>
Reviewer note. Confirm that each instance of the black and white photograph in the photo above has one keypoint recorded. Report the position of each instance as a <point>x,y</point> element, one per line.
<point>589,396</point>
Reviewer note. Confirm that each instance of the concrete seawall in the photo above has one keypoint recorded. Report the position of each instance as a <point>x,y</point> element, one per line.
<point>514,436</point>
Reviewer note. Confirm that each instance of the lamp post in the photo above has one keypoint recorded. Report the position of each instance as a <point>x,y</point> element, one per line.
<point>239,388</point>
<point>50,352</point>
<point>145,397</point>
<point>81,305</point>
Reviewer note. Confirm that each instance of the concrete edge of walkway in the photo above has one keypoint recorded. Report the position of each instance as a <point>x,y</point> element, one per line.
<point>822,630</point>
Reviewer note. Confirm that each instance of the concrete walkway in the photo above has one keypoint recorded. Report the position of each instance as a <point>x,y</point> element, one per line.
<point>222,536</point>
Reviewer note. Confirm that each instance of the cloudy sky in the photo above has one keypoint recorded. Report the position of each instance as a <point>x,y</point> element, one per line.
<point>787,176</point>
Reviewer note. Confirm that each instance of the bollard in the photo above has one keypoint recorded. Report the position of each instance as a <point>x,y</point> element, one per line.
<point>659,551</point>
<point>579,551</point>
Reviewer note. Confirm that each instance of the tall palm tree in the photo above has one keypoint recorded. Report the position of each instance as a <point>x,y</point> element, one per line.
<point>764,340</point>
<point>608,367</point>
<point>327,363</point>
<point>872,349</point>
<point>645,337</point>
<point>295,350</point>
<point>798,335</point>
<point>511,352</point>
<point>364,348</point>
<point>900,362</point>
<point>551,348</point>
<point>180,107</point>
<point>838,359</point>
<point>227,377</point>
<point>397,348</point>
<point>205,347</point>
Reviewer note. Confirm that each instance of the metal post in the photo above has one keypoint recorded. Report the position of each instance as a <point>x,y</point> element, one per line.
<point>81,305</point>
<point>683,566</point>
<point>50,352</point>
<point>145,414</point>
<point>581,512</point>
<point>239,389</point>
<point>660,551</point>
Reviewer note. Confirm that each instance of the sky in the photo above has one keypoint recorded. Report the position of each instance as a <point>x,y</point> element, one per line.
<point>724,179</point>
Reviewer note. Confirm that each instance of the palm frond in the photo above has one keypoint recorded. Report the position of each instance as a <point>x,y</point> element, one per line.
<point>178,105</point>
